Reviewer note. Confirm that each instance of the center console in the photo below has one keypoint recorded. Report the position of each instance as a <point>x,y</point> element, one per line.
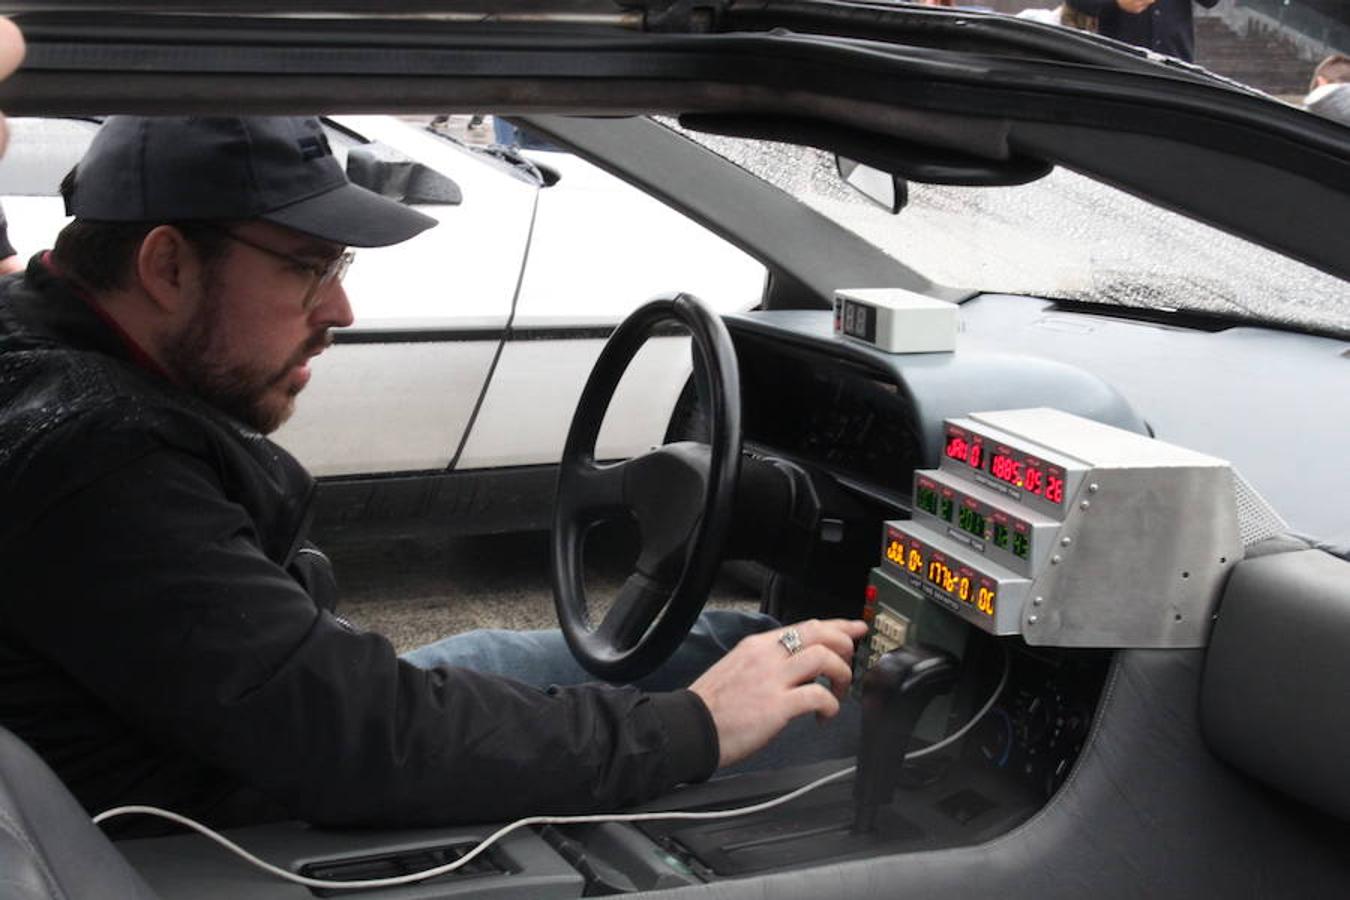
<point>1041,544</point>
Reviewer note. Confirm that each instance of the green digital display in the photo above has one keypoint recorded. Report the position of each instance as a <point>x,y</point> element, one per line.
<point>970,520</point>
<point>1001,535</point>
<point>970,515</point>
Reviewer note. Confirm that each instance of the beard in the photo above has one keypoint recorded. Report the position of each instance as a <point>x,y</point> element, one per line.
<point>246,391</point>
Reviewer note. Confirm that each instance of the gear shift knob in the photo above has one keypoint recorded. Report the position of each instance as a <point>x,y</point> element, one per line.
<point>895,692</point>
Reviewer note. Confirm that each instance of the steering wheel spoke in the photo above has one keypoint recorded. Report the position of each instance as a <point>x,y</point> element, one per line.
<point>640,601</point>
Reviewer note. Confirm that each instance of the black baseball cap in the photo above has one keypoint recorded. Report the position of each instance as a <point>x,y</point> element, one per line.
<point>198,168</point>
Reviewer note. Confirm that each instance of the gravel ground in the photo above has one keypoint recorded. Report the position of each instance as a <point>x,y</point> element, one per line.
<point>415,591</point>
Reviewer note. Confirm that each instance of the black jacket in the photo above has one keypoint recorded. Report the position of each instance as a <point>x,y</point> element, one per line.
<point>164,641</point>
<point>1165,27</point>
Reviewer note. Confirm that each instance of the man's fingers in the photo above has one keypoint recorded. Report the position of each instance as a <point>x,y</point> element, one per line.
<point>839,635</point>
<point>775,676</point>
<point>836,634</point>
<point>819,660</point>
<point>813,698</point>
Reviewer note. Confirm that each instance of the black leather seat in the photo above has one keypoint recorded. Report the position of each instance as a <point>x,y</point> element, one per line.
<point>49,848</point>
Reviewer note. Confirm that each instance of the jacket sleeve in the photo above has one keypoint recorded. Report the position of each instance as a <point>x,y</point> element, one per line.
<point>147,586</point>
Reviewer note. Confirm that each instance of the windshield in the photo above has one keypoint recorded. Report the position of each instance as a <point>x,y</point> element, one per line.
<point>1063,237</point>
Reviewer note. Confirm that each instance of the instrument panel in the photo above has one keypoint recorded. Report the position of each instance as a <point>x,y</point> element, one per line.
<point>1068,532</point>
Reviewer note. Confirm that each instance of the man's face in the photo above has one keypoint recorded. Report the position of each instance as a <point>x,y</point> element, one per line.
<point>247,346</point>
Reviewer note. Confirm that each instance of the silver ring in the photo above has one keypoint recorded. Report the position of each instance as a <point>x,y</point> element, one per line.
<point>791,639</point>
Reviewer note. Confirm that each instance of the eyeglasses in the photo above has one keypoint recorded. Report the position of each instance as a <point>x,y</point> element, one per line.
<point>322,275</point>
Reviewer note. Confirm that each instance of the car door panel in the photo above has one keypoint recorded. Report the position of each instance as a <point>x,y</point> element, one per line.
<point>529,405</point>
<point>387,407</point>
<point>599,249</point>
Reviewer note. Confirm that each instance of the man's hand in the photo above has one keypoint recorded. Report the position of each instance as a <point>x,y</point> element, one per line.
<point>759,687</point>
<point>1134,6</point>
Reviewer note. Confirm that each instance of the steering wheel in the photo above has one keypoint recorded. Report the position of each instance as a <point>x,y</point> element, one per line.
<point>680,494</point>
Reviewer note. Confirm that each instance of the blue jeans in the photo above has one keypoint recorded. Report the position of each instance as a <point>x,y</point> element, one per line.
<point>542,658</point>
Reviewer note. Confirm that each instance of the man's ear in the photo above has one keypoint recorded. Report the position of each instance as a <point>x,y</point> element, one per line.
<point>168,268</point>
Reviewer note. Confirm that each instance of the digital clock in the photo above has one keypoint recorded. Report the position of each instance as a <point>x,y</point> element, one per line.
<point>934,499</point>
<point>970,519</point>
<point>926,497</point>
<point>979,519</point>
<point>949,577</point>
<point>1007,465</point>
<point>857,320</point>
<point>896,320</point>
<point>1012,535</point>
<point>964,447</point>
<point>1024,471</point>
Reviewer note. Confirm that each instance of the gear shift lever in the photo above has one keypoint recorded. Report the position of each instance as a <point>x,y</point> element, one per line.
<point>895,692</point>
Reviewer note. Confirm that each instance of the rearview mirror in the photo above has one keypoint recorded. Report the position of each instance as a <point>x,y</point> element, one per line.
<point>389,173</point>
<point>891,192</point>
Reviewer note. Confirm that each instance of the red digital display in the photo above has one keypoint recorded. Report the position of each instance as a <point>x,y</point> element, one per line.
<point>1028,473</point>
<point>1054,489</point>
<point>962,448</point>
<point>1006,468</point>
<point>1010,466</point>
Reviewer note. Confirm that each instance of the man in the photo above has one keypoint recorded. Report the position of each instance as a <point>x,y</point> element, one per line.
<point>1329,93</point>
<point>166,635</point>
<point>1163,26</point>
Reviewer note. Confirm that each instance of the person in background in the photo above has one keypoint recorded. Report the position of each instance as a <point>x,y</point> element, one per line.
<point>1163,26</point>
<point>508,135</point>
<point>1329,92</point>
<point>1061,15</point>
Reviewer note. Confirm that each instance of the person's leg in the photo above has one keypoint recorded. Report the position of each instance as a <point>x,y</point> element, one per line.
<point>504,133</point>
<point>542,658</point>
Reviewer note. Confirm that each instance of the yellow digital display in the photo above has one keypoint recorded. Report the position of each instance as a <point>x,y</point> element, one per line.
<point>950,577</point>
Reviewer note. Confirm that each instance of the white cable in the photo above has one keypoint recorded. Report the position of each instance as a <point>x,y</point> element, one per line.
<point>536,820</point>
<point>472,854</point>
